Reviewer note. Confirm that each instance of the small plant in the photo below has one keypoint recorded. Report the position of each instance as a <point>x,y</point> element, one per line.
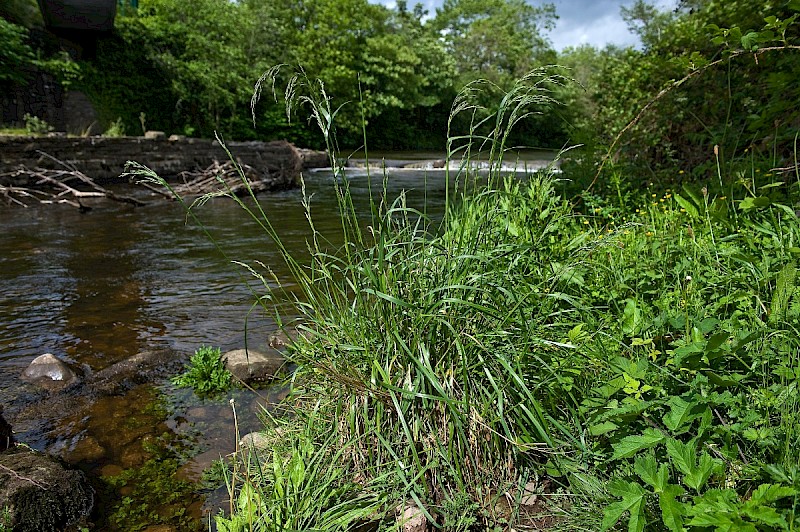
<point>206,373</point>
<point>115,129</point>
<point>35,125</point>
<point>5,519</point>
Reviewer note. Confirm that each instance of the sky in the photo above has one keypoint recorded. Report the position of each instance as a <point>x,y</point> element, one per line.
<point>595,22</point>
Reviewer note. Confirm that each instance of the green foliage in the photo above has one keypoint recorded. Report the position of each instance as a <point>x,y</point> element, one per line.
<point>15,53</point>
<point>300,486</point>
<point>156,496</point>
<point>36,126</point>
<point>115,129</point>
<point>206,373</point>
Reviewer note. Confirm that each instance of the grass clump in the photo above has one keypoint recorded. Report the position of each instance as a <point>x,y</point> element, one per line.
<point>206,373</point>
<point>631,358</point>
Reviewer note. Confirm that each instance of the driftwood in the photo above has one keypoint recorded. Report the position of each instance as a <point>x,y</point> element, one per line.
<point>49,186</point>
<point>218,178</point>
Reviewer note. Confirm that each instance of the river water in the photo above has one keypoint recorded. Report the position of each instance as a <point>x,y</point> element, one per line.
<point>96,288</point>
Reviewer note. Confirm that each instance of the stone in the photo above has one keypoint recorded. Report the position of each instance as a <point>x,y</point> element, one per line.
<point>6,434</point>
<point>174,138</point>
<point>152,135</point>
<point>410,518</point>
<point>257,441</point>
<point>253,366</point>
<point>40,493</point>
<point>50,368</point>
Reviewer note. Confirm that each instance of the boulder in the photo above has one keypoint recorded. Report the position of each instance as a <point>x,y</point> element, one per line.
<point>6,434</point>
<point>253,366</point>
<point>48,370</point>
<point>153,135</point>
<point>410,518</point>
<point>257,441</point>
<point>40,493</point>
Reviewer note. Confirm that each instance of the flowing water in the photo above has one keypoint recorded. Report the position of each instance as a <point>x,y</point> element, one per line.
<point>96,288</point>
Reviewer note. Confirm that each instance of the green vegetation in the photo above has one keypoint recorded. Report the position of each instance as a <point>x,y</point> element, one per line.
<point>153,493</point>
<point>206,373</point>
<point>629,355</point>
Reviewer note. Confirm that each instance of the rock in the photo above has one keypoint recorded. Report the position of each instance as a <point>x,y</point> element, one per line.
<point>87,449</point>
<point>255,441</point>
<point>253,366</point>
<point>6,434</point>
<point>40,494</point>
<point>174,138</point>
<point>152,135</point>
<point>48,370</point>
<point>410,518</point>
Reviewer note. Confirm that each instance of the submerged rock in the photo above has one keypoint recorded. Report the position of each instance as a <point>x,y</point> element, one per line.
<point>49,371</point>
<point>253,366</point>
<point>40,493</point>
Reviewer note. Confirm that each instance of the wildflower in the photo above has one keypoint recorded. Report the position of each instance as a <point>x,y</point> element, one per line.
<point>723,197</point>
<point>681,172</point>
<point>586,222</point>
<point>649,233</point>
<point>668,196</point>
<point>683,210</point>
<point>653,195</point>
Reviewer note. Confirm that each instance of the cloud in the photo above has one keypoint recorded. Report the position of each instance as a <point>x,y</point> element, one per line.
<point>595,22</point>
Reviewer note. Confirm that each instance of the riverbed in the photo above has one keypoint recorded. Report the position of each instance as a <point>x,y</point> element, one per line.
<point>98,287</point>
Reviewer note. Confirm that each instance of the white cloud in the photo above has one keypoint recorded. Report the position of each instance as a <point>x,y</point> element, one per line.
<point>596,22</point>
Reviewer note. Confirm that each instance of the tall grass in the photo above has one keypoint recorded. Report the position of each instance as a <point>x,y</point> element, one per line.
<point>639,360</point>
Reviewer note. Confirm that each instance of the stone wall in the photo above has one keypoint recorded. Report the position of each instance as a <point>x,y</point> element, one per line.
<point>104,158</point>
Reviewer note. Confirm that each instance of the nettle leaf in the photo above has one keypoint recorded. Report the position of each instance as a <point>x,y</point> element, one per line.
<point>700,474</point>
<point>647,469</point>
<point>672,511</point>
<point>681,413</point>
<point>630,445</point>
<point>767,493</point>
<point>682,455</point>
<point>633,501</point>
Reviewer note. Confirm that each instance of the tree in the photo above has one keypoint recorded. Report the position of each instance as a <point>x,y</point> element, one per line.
<point>498,40</point>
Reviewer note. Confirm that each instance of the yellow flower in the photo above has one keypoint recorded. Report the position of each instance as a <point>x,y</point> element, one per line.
<point>653,195</point>
<point>586,222</point>
<point>649,233</point>
<point>683,210</point>
<point>680,171</point>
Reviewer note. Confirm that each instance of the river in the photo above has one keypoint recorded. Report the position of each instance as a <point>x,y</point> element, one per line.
<point>98,287</point>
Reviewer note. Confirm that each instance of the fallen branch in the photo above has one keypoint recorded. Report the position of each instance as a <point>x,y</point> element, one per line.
<point>48,186</point>
<point>232,178</point>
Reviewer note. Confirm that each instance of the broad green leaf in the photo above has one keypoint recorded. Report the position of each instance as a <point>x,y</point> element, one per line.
<point>681,413</point>
<point>631,318</point>
<point>765,514</point>
<point>690,209</point>
<point>602,428</point>
<point>767,493</point>
<point>647,469</point>
<point>630,445</point>
<point>682,455</point>
<point>754,203</point>
<point>633,501</point>
<point>671,510</point>
<point>698,476</point>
